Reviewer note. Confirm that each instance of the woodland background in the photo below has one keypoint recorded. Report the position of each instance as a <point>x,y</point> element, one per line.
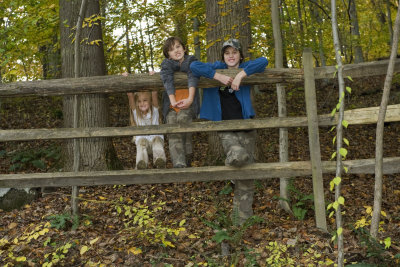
<point>184,224</point>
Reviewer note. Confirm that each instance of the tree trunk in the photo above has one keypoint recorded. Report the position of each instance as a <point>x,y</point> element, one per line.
<point>96,153</point>
<point>355,33</point>
<point>379,132</point>
<point>281,93</point>
<point>180,20</point>
<point>389,15</point>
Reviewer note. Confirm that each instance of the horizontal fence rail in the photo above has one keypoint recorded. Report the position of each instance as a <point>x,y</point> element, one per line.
<point>136,82</point>
<point>354,117</point>
<point>196,174</point>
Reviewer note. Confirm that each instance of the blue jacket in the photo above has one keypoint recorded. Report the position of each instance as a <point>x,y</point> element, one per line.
<point>211,105</point>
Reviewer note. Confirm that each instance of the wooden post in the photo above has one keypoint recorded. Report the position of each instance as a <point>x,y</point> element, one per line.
<point>313,139</point>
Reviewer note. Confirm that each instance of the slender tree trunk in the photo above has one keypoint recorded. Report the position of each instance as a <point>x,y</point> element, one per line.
<point>355,33</point>
<point>281,93</point>
<point>339,133</point>
<point>142,42</point>
<point>180,21</point>
<point>389,16</point>
<point>379,132</point>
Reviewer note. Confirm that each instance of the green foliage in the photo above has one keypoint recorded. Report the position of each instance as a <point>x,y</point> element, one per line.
<point>41,158</point>
<point>300,203</point>
<point>227,228</point>
<point>374,248</point>
<point>64,221</point>
<point>227,189</point>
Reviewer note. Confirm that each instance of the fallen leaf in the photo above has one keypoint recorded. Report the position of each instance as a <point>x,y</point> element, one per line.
<point>12,225</point>
<point>134,250</point>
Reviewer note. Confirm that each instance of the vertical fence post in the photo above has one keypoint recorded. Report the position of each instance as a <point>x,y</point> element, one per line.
<point>313,139</point>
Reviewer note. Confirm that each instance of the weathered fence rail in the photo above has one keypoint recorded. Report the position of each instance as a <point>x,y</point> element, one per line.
<point>118,83</point>
<point>198,174</point>
<point>354,117</point>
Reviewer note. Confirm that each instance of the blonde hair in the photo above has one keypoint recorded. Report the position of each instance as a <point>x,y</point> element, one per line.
<point>136,95</point>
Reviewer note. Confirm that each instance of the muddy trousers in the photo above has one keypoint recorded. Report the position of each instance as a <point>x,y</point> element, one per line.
<point>240,146</point>
<point>144,147</point>
<point>180,145</point>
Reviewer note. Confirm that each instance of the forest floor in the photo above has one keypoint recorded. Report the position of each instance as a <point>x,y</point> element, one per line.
<point>181,224</point>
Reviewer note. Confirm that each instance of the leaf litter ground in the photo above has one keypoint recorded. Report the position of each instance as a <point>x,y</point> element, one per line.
<point>169,224</point>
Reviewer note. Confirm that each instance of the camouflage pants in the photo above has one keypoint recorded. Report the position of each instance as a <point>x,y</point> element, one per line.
<point>241,142</point>
<point>180,145</point>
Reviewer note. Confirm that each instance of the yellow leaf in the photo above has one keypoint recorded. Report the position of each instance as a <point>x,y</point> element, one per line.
<point>22,258</point>
<point>94,241</point>
<point>192,236</point>
<point>168,244</point>
<point>84,249</point>
<point>134,250</point>
<point>383,213</point>
<point>102,198</point>
<point>182,222</point>
<point>12,225</point>
<point>368,209</point>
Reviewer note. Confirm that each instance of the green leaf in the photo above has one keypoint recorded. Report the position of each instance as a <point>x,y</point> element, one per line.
<point>343,152</point>
<point>333,112</point>
<point>346,141</point>
<point>334,140</point>
<point>221,236</point>
<point>346,170</point>
<point>339,231</point>
<point>387,242</point>
<point>348,77</point>
<point>337,180</point>
<point>39,164</point>
<point>337,106</point>
<point>335,205</point>
<point>333,128</point>
<point>333,155</point>
<point>345,124</point>
<point>348,89</point>
<point>341,200</point>
<point>331,185</point>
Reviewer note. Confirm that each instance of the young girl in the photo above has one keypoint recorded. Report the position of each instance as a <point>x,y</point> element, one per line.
<point>144,113</point>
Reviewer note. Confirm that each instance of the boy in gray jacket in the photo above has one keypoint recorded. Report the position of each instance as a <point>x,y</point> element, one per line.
<point>179,105</point>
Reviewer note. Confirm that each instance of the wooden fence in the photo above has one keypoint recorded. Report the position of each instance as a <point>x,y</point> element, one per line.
<point>113,84</point>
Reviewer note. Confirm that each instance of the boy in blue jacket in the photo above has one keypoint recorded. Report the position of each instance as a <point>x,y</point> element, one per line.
<point>232,102</point>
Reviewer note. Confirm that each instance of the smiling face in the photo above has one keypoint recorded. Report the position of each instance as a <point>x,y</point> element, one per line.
<point>232,57</point>
<point>143,102</point>
<point>176,52</point>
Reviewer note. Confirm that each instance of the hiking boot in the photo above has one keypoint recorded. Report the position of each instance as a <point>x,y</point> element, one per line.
<point>180,165</point>
<point>237,157</point>
<point>141,165</point>
<point>159,163</point>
